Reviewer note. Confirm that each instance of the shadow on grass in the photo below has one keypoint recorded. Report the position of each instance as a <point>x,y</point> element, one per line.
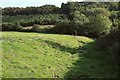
<point>61,47</point>
<point>92,64</point>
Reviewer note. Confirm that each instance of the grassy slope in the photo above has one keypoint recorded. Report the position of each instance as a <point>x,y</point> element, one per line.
<point>0,56</point>
<point>47,56</point>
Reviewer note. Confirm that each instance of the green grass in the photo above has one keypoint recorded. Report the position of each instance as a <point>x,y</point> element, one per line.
<point>36,55</point>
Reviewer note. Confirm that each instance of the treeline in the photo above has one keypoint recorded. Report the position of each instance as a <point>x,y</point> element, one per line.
<point>45,9</point>
<point>83,7</point>
<point>93,19</point>
<point>29,20</point>
<point>65,8</point>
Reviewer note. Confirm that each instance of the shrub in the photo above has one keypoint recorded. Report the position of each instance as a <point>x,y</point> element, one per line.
<point>11,27</point>
<point>62,28</point>
<point>109,43</point>
<point>17,27</point>
<point>7,26</point>
<point>108,40</point>
<point>35,28</point>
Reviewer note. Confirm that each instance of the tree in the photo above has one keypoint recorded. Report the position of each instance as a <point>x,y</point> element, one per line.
<point>77,21</point>
<point>99,23</point>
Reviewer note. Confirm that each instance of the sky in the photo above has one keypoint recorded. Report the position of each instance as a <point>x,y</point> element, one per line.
<point>24,3</point>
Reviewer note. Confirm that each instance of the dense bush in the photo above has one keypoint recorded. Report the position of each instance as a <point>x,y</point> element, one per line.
<point>28,20</point>
<point>115,18</point>
<point>11,27</point>
<point>7,26</point>
<point>109,43</point>
<point>35,28</point>
<point>109,39</point>
<point>17,26</point>
<point>62,28</point>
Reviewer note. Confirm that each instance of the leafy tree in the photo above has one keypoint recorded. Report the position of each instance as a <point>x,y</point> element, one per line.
<point>78,21</point>
<point>99,23</point>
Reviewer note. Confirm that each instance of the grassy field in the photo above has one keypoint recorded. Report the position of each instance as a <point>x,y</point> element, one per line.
<point>36,55</point>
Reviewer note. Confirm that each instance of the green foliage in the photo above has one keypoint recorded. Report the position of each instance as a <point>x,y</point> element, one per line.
<point>62,28</point>
<point>84,6</point>
<point>78,18</point>
<point>110,44</point>
<point>39,55</point>
<point>11,27</point>
<point>45,9</point>
<point>45,19</point>
<point>99,23</point>
<point>102,11</point>
<point>75,26</point>
<point>94,25</point>
<point>7,26</point>
<point>65,8</point>
<point>35,28</point>
<point>115,18</point>
<point>78,22</point>
<point>109,39</point>
<point>17,26</point>
<point>89,19</point>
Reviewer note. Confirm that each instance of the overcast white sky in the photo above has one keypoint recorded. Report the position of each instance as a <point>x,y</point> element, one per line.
<point>24,3</point>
